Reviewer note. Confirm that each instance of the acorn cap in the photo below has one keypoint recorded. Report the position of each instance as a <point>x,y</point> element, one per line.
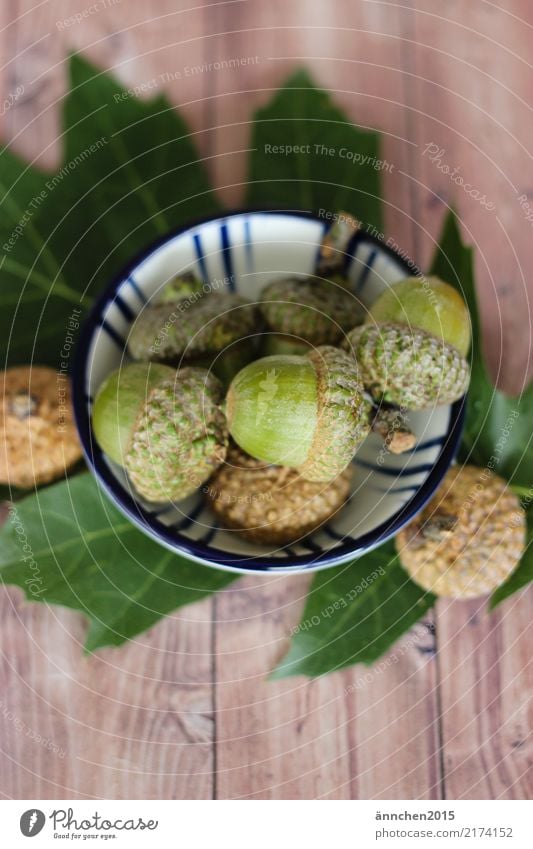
<point>408,367</point>
<point>311,309</point>
<point>343,415</point>
<point>191,327</point>
<point>118,401</point>
<point>39,441</point>
<point>469,537</point>
<point>164,427</point>
<point>271,504</point>
<point>305,412</point>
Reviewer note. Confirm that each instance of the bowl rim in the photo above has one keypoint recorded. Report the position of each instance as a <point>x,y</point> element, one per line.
<point>196,550</point>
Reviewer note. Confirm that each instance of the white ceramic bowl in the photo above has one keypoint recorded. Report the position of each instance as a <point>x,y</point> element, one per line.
<point>248,249</point>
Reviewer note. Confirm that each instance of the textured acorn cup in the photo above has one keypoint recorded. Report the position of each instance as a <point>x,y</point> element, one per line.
<point>407,366</point>
<point>429,304</point>
<point>38,438</point>
<point>307,413</point>
<point>165,427</point>
<point>307,310</point>
<point>468,539</point>
<point>191,327</point>
<point>272,505</point>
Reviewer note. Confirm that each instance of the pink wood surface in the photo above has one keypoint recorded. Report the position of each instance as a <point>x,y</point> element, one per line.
<point>186,710</point>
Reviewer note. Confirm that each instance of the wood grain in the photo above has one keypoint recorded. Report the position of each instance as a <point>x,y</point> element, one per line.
<point>274,739</point>
<point>127,724</point>
<point>486,698</point>
<point>186,711</point>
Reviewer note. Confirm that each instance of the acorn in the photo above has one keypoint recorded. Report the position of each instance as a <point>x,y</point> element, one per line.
<point>468,539</point>
<point>429,304</point>
<point>412,348</point>
<point>192,327</point>
<point>305,412</point>
<point>299,313</point>
<point>165,427</point>
<point>272,505</point>
<point>407,366</point>
<point>39,441</point>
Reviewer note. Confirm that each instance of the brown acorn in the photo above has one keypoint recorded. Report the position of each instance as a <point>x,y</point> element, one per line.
<point>38,438</point>
<point>272,505</point>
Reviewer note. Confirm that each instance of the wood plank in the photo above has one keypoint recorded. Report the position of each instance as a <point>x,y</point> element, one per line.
<point>396,723</point>
<point>128,723</point>
<point>486,685</point>
<point>287,740</point>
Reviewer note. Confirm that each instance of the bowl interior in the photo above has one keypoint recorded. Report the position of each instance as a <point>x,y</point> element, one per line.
<point>243,252</point>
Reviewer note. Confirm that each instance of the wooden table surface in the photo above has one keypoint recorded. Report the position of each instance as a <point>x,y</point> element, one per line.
<point>185,711</point>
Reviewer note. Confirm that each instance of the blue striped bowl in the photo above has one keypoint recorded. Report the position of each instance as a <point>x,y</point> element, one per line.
<point>248,249</point>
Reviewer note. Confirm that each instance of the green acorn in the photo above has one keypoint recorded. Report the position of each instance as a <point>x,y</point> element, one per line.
<point>191,327</point>
<point>428,303</point>
<point>214,331</point>
<point>165,427</point>
<point>305,412</point>
<point>407,366</point>
<point>299,313</point>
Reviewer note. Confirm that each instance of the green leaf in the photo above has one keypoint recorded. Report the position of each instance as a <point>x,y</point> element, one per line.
<point>523,574</point>
<point>129,175</point>
<point>68,545</point>
<point>35,297</point>
<point>454,262</point>
<point>353,614</point>
<point>146,179</point>
<point>498,427</point>
<point>318,174</point>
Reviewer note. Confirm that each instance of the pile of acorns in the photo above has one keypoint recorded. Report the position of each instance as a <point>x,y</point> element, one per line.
<point>263,406</point>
